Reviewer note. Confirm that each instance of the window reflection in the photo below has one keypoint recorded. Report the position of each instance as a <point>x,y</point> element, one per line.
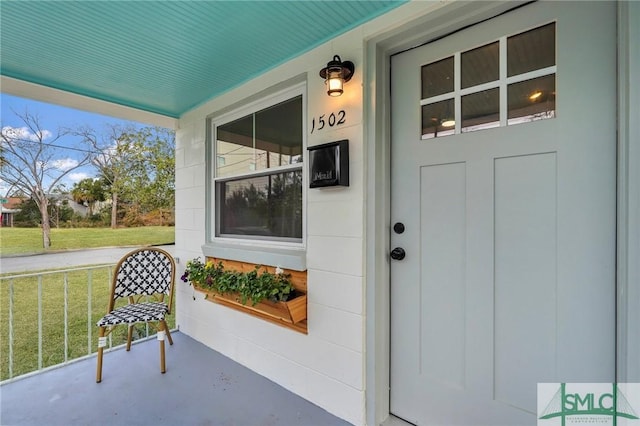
<point>269,138</point>
<point>480,65</point>
<point>481,110</point>
<point>531,50</point>
<point>532,100</point>
<point>262,206</point>
<point>437,78</point>
<point>438,119</point>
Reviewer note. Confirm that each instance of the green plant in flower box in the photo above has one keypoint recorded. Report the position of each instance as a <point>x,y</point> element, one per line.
<point>253,286</point>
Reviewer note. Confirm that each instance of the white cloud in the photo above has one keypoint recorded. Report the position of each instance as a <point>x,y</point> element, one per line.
<point>4,188</point>
<point>64,164</point>
<point>25,133</point>
<point>77,177</point>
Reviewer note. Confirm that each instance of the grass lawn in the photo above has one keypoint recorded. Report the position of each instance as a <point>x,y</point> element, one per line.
<point>29,240</point>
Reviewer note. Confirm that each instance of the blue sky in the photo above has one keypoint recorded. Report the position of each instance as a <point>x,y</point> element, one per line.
<point>52,117</point>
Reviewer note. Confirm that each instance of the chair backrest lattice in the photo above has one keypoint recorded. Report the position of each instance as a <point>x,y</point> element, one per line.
<point>144,272</point>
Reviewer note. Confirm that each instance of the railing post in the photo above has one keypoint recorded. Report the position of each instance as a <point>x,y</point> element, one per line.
<point>89,313</point>
<point>39,322</point>
<point>66,316</point>
<point>10,328</point>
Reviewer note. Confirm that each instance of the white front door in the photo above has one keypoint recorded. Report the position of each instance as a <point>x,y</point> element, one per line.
<point>503,177</point>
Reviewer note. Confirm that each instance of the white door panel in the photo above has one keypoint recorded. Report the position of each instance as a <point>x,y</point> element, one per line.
<point>509,275</point>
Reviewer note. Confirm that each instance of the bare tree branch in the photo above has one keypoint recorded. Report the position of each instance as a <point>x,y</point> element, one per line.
<point>31,164</point>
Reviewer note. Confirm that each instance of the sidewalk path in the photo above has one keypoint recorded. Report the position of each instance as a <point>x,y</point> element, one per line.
<point>67,259</point>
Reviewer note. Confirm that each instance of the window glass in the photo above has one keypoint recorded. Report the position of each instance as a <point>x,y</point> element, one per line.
<point>279,134</point>
<point>531,50</point>
<point>269,138</point>
<point>234,147</point>
<point>438,119</point>
<point>437,78</point>
<point>262,206</point>
<point>481,110</point>
<point>532,100</point>
<point>258,174</point>
<point>480,65</point>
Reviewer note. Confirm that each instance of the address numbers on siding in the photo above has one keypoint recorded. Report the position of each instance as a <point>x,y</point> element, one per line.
<point>328,120</point>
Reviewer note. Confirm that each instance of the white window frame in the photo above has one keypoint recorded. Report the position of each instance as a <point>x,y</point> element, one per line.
<point>281,252</point>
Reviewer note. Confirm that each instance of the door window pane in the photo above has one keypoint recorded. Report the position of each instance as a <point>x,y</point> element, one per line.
<point>532,100</point>
<point>438,119</point>
<point>437,78</point>
<point>531,50</point>
<point>262,206</point>
<point>529,59</point>
<point>481,110</point>
<point>480,65</point>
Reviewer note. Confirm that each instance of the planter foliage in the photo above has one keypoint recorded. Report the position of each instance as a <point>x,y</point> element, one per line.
<point>253,286</point>
<point>270,296</point>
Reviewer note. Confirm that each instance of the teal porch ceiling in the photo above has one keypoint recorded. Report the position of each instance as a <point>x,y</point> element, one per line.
<point>165,57</point>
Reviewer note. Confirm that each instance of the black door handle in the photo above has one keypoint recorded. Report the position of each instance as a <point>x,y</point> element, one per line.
<point>398,253</point>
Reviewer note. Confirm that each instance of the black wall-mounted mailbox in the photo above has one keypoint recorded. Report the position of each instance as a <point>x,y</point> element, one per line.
<point>329,164</point>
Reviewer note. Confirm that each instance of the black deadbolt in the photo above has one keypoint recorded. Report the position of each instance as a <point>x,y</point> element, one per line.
<point>398,253</point>
<point>398,228</point>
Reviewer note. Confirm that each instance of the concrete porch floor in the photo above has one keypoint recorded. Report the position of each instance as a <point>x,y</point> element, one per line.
<point>200,387</point>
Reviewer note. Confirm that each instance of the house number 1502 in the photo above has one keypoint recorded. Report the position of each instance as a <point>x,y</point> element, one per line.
<point>333,119</point>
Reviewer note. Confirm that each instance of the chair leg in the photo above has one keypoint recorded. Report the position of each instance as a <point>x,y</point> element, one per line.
<point>101,339</point>
<point>161,334</point>
<point>166,329</point>
<point>129,337</point>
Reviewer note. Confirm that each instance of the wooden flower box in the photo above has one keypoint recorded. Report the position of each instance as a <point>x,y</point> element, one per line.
<point>292,311</point>
<point>291,314</point>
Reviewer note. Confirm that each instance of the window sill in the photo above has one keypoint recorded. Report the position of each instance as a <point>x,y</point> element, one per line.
<point>284,257</point>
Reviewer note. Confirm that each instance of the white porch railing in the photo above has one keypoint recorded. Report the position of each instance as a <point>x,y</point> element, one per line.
<point>48,318</point>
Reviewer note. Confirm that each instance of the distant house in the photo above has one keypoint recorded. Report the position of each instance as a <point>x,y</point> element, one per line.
<point>67,199</point>
<point>9,209</point>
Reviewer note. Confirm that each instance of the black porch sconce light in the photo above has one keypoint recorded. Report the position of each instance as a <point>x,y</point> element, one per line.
<point>336,74</point>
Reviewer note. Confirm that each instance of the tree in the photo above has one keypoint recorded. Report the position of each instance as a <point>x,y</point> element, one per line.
<point>113,157</point>
<point>137,166</point>
<point>32,164</point>
<point>88,192</point>
<point>149,187</point>
<point>28,214</point>
<point>158,189</point>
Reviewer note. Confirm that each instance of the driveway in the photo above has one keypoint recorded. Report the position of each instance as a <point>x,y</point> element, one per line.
<point>67,259</point>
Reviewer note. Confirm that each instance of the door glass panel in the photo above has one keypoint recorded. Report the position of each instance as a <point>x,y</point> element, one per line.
<point>531,50</point>
<point>438,119</point>
<point>532,100</point>
<point>480,65</point>
<point>437,78</point>
<point>481,110</point>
